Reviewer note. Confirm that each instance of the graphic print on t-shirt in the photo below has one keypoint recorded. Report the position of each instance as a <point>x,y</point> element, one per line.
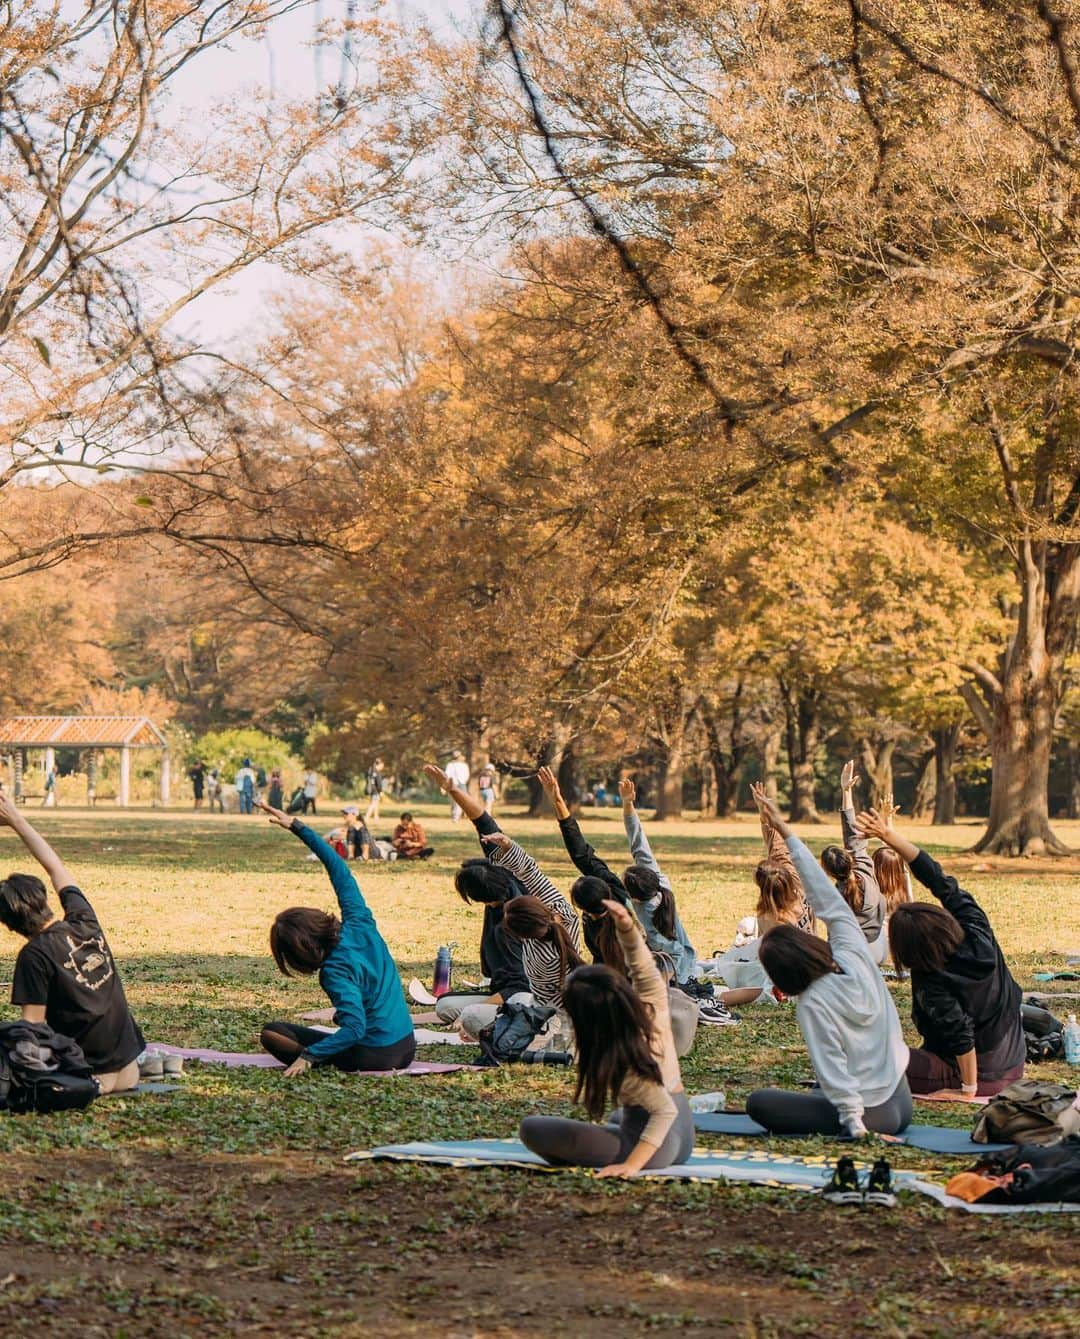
<point>89,961</point>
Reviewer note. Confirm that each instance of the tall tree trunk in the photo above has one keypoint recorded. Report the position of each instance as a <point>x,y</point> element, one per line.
<point>770,755</point>
<point>727,751</point>
<point>672,722</point>
<point>946,741</point>
<point>569,776</point>
<point>802,728</point>
<point>878,766</point>
<point>925,785</point>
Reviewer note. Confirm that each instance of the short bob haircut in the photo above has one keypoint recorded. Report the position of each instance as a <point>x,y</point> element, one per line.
<point>923,937</point>
<point>478,880</point>
<point>24,904</point>
<point>302,938</point>
<point>794,959</point>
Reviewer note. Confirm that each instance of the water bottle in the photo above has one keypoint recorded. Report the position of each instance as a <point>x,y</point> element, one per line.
<point>444,970</point>
<point>1071,1035</point>
<point>704,1102</point>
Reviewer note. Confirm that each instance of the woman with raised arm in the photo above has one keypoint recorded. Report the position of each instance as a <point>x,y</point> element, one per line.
<point>964,1000</point>
<point>626,1056</point>
<point>374,1027</point>
<point>526,951</point>
<point>65,974</point>
<point>846,1015</point>
<point>651,893</point>
<point>852,870</point>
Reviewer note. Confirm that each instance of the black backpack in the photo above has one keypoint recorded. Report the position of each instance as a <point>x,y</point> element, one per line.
<point>66,1083</point>
<point>1043,1034</point>
<point>1040,1175</point>
<point>508,1038</point>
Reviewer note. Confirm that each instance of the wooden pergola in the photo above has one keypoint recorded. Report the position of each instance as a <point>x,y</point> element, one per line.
<point>88,734</point>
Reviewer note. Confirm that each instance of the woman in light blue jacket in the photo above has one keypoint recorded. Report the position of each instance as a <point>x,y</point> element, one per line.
<point>650,890</point>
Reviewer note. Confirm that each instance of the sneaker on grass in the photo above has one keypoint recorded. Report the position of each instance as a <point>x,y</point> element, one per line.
<point>712,1013</point>
<point>879,1188</point>
<point>843,1186</point>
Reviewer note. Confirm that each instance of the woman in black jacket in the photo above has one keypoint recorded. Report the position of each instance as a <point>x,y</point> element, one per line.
<point>965,1002</point>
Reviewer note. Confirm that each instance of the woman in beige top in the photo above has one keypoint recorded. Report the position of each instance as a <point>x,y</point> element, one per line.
<point>626,1055</point>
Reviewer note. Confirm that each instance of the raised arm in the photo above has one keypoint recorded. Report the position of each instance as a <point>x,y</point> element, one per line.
<point>345,886</point>
<point>775,844</point>
<point>10,816</point>
<point>468,804</point>
<point>640,850</point>
<point>502,850</point>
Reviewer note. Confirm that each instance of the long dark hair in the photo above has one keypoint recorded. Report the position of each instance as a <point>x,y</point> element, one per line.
<point>478,880</point>
<point>643,884</point>
<point>614,1028</point>
<point>889,868</point>
<point>794,959</point>
<point>588,894</point>
<point>529,918</point>
<point>923,937</point>
<point>302,938</point>
<point>840,867</point>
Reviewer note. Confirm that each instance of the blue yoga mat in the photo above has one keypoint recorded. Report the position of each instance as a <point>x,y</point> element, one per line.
<point>750,1165</point>
<point>930,1138</point>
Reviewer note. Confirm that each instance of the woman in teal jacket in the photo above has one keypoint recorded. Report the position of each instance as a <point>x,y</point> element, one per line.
<point>374,1027</point>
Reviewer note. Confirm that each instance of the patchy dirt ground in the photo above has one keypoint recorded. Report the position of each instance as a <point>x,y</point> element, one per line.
<point>146,1245</point>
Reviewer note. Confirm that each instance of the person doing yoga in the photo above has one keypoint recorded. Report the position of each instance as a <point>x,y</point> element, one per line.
<point>65,974</point>
<point>846,1015</point>
<point>852,869</point>
<point>374,1027</point>
<point>526,954</point>
<point>598,885</point>
<point>964,1000</point>
<point>651,892</point>
<point>625,1054</point>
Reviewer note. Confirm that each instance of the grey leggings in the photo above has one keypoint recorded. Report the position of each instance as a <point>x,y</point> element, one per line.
<point>783,1112</point>
<point>578,1143</point>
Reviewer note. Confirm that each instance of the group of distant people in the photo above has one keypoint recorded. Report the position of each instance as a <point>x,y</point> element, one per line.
<point>625,1009</point>
<point>252,785</point>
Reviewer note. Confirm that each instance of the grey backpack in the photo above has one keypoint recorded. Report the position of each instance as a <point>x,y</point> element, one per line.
<point>1028,1111</point>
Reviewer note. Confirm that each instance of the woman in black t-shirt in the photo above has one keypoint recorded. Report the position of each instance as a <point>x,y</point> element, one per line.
<point>65,974</point>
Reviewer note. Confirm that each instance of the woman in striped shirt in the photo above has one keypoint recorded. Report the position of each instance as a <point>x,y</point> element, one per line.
<point>550,945</point>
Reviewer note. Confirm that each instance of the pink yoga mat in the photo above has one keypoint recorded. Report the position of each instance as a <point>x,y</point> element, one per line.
<point>260,1060</point>
<point>944,1097</point>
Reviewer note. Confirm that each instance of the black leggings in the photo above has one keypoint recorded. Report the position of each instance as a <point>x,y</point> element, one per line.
<point>285,1041</point>
<point>578,1143</point>
<point>783,1112</point>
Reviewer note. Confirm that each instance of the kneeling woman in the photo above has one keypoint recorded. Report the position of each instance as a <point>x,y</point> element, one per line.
<point>626,1054</point>
<point>375,1030</point>
<point>965,1002</point>
<point>846,1015</point>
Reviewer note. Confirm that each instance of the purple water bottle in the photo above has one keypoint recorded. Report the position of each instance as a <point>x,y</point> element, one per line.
<point>444,970</point>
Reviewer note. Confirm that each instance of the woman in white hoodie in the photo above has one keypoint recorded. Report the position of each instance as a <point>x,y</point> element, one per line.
<point>846,1014</point>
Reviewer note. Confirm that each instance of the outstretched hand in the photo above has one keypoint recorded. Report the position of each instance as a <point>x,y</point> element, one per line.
<point>278,816</point>
<point>872,824</point>
<point>618,913</point>
<point>887,809</point>
<point>769,810</point>
<point>437,775</point>
<point>628,791</point>
<point>549,781</point>
<point>848,775</point>
<point>8,810</point>
<point>499,839</point>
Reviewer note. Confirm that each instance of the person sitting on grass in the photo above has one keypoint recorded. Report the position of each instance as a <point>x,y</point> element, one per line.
<point>65,974</point>
<point>625,1055</point>
<point>846,1015</point>
<point>852,869</point>
<point>409,840</point>
<point>964,1000</point>
<point>525,955</point>
<point>374,1026</point>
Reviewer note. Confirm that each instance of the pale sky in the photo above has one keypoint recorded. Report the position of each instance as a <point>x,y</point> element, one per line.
<point>283,60</point>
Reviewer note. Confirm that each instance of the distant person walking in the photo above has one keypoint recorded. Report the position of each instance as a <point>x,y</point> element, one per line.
<point>311,791</point>
<point>198,781</point>
<point>213,790</point>
<point>457,772</point>
<point>48,800</point>
<point>275,796</point>
<point>260,784</point>
<point>486,782</point>
<point>376,784</point>
<point>245,787</point>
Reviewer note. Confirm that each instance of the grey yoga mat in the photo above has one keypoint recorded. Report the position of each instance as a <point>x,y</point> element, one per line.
<point>930,1138</point>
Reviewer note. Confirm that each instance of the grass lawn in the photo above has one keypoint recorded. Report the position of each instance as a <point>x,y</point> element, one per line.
<point>226,1209</point>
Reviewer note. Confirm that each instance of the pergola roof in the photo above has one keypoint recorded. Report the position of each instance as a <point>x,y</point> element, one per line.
<point>80,732</point>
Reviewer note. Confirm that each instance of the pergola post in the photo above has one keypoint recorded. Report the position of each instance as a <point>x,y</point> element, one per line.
<point>20,762</point>
<point>165,778</point>
<point>125,776</point>
<point>91,777</point>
